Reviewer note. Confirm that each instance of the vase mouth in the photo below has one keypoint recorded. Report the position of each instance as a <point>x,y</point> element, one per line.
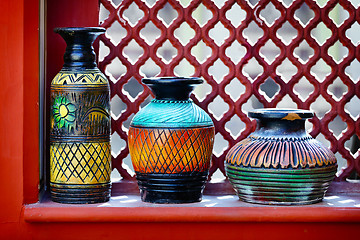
<point>79,29</point>
<point>79,52</point>
<point>281,113</point>
<point>173,80</point>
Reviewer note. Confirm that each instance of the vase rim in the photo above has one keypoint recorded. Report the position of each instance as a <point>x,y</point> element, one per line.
<point>79,29</point>
<point>281,113</point>
<point>173,80</point>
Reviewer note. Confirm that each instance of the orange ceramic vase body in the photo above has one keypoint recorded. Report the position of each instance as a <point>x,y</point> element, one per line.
<point>170,143</point>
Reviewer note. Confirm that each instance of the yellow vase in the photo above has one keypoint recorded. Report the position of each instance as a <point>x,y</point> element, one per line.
<point>80,155</point>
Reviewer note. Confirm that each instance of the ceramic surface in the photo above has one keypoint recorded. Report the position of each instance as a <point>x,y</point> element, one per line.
<point>80,154</point>
<point>170,143</point>
<point>280,163</point>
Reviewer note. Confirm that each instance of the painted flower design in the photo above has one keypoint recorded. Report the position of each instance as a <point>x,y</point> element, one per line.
<point>64,112</point>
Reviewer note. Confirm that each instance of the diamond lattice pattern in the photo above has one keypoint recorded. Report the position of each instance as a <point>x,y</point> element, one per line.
<point>290,44</point>
<point>69,166</point>
<point>170,151</point>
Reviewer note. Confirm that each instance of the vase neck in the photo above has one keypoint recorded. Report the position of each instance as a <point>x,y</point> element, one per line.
<point>281,121</point>
<point>278,127</point>
<point>172,88</point>
<point>79,51</point>
<point>171,92</point>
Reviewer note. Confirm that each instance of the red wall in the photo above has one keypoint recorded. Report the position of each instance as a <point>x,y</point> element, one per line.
<point>19,158</point>
<point>11,115</point>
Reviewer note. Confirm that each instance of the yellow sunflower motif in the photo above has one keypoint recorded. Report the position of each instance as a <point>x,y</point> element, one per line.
<point>64,112</point>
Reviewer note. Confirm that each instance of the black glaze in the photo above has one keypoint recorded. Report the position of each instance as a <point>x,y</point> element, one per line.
<point>172,88</point>
<point>278,113</point>
<point>73,194</point>
<point>271,121</point>
<point>172,188</point>
<point>268,127</point>
<point>79,52</point>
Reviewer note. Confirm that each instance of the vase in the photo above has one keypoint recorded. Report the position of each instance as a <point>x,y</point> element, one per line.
<point>170,143</point>
<point>280,163</point>
<point>80,156</point>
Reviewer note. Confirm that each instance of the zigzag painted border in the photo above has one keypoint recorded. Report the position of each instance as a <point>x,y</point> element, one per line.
<point>80,78</point>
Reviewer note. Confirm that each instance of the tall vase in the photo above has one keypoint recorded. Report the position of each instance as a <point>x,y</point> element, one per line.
<point>80,157</point>
<point>280,163</point>
<point>170,143</point>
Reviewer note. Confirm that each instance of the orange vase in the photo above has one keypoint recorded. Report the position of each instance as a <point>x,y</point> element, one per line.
<point>170,143</point>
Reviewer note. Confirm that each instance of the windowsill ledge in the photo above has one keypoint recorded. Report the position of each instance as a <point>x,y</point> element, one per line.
<point>341,204</point>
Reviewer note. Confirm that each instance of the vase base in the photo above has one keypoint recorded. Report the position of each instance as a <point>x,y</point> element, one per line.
<point>80,194</point>
<point>281,186</point>
<point>170,197</point>
<point>171,188</point>
<point>279,201</point>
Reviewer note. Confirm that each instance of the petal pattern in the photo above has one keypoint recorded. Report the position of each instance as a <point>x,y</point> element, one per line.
<point>277,152</point>
<point>69,118</point>
<point>71,107</point>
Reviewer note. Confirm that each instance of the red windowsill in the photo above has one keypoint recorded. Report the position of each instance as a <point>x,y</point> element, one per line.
<point>341,204</point>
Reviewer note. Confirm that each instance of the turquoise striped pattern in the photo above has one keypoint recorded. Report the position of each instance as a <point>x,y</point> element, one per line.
<point>171,114</point>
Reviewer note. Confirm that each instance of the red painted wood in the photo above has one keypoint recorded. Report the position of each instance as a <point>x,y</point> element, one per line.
<point>65,13</point>
<point>18,155</point>
<point>12,113</point>
<point>253,9</point>
<point>31,102</point>
<point>194,231</point>
<point>192,214</point>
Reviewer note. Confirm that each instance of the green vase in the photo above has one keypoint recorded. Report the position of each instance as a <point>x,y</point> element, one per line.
<point>280,163</point>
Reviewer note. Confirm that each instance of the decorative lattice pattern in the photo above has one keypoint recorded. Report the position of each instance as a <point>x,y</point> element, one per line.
<point>251,53</point>
<point>171,151</point>
<point>68,164</point>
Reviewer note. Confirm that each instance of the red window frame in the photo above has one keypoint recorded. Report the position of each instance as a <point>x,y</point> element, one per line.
<point>118,15</point>
<point>19,172</point>
<point>65,13</point>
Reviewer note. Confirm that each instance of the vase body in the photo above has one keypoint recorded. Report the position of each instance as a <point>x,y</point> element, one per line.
<point>170,143</point>
<point>280,163</point>
<point>80,155</point>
